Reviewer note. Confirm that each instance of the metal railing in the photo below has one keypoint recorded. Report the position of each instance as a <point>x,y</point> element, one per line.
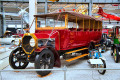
<point>64,69</point>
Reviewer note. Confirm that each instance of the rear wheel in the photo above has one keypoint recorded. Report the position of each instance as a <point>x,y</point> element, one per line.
<point>17,59</point>
<point>102,66</point>
<point>111,51</point>
<point>44,60</point>
<point>116,55</point>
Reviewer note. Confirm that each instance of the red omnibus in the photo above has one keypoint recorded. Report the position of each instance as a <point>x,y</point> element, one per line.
<point>57,34</point>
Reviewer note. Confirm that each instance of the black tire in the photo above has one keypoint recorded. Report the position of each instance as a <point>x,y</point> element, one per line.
<point>13,59</point>
<point>116,55</point>
<point>102,66</point>
<point>111,51</point>
<point>44,60</point>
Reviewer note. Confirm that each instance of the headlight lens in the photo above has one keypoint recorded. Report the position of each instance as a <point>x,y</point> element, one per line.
<point>32,42</point>
<point>17,42</point>
<point>100,49</point>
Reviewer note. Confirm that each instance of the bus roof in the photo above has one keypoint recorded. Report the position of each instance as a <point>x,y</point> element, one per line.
<point>71,15</point>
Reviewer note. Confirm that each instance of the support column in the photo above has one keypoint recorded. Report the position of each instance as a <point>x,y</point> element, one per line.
<point>90,8</point>
<point>3,19</point>
<point>32,12</point>
<point>46,6</point>
<point>0,21</point>
<point>3,23</point>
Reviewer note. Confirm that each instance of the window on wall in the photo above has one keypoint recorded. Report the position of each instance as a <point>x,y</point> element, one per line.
<point>81,8</point>
<point>41,8</point>
<point>11,26</point>
<point>18,26</point>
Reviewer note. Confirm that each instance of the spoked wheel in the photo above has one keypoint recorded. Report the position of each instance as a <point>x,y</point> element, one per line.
<point>116,55</point>
<point>17,59</point>
<point>102,66</point>
<point>45,60</point>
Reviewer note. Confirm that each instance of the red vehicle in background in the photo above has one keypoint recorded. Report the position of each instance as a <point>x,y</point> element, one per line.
<point>57,34</point>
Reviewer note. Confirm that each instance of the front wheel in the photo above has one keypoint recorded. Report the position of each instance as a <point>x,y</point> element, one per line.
<point>102,66</point>
<point>116,55</point>
<point>17,59</point>
<point>44,60</point>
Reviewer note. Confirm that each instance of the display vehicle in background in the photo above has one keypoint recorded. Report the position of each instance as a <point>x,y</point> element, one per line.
<point>9,38</point>
<point>105,42</point>
<point>57,34</point>
<point>115,48</point>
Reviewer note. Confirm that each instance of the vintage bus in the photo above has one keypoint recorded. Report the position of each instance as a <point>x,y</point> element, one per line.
<point>57,34</point>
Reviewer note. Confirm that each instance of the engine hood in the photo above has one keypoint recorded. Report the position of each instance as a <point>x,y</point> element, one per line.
<point>46,34</point>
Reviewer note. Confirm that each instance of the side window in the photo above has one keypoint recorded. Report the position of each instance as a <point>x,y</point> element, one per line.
<point>86,24</point>
<point>80,23</point>
<point>96,25</point>
<point>91,25</point>
<point>100,25</point>
<point>83,25</point>
<point>72,25</point>
<point>72,22</point>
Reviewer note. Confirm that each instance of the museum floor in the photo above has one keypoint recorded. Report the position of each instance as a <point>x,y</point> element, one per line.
<point>70,75</point>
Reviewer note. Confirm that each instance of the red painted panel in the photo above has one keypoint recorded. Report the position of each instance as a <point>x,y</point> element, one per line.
<point>69,39</point>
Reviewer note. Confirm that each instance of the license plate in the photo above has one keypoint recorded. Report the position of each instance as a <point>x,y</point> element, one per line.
<point>96,61</point>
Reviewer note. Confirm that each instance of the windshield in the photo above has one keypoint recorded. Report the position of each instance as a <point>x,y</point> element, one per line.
<point>51,22</point>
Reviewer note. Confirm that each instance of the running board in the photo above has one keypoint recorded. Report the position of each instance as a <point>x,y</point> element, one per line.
<point>97,45</point>
<point>76,50</point>
<point>69,60</point>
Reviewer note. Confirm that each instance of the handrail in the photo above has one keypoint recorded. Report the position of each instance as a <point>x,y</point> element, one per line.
<point>64,69</point>
<point>61,69</point>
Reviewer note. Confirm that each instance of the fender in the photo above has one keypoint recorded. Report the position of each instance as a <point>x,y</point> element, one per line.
<point>57,62</point>
<point>103,58</point>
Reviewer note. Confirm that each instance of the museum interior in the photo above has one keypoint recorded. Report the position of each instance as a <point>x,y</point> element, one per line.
<point>59,39</point>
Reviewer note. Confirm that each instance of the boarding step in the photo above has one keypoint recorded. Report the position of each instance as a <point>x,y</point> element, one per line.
<point>76,50</point>
<point>69,60</point>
